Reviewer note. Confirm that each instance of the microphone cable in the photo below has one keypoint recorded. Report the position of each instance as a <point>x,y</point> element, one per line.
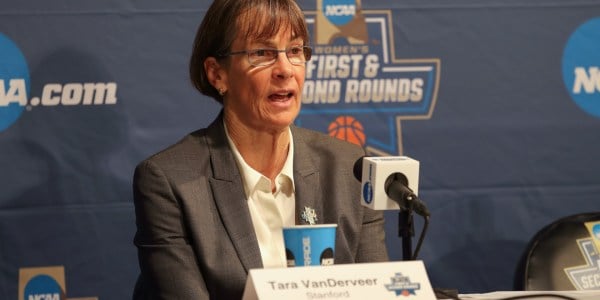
<point>421,237</point>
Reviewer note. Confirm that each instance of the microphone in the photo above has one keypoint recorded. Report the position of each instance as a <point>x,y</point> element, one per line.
<point>388,183</point>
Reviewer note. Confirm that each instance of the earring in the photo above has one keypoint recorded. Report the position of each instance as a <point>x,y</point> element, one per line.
<point>221,91</point>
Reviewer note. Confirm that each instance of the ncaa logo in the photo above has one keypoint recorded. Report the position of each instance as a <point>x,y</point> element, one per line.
<point>14,77</point>
<point>596,232</point>
<point>339,12</point>
<point>581,66</point>
<point>367,192</point>
<point>356,88</point>
<point>43,287</point>
<point>15,88</point>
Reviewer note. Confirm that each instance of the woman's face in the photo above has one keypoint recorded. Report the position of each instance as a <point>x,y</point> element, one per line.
<point>264,98</point>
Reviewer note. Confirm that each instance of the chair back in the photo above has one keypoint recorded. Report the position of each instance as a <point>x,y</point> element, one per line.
<point>560,255</point>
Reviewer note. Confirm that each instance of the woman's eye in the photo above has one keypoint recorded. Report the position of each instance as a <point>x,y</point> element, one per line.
<point>260,52</point>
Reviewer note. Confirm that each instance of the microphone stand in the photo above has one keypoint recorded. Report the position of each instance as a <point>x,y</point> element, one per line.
<point>406,230</point>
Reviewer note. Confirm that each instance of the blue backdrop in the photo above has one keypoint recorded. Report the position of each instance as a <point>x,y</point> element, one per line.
<point>498,100</point>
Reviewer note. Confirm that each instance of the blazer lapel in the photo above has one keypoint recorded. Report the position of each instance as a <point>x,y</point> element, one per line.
<point>306,180</point>
<point>230,197</point>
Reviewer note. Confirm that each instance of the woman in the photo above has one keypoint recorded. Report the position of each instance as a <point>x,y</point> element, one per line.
<point>212,206</point>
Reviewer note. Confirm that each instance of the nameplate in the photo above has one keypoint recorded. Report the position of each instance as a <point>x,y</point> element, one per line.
<point>386,280</point>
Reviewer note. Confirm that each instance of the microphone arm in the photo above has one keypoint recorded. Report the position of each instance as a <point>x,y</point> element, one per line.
<point>396,188</point>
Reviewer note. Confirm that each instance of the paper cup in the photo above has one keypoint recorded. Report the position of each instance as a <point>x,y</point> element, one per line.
<point>309,245</point>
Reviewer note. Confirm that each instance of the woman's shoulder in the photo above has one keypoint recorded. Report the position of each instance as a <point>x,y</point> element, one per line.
<point>193,146</point>
<point>190,147</point>
<point>319,140</point>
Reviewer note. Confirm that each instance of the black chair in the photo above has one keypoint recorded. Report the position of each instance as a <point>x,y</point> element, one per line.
<point>552,250</point>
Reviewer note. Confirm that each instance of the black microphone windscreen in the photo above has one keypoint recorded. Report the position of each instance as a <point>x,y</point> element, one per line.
<point>357,170</point>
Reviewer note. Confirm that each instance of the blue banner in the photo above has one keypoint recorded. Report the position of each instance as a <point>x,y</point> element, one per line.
<point>499,101</point>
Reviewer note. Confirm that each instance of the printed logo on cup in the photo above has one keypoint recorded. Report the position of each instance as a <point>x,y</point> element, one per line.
<point>309,245</point>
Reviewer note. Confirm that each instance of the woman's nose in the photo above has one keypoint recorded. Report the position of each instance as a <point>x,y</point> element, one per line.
<point>283,68</point>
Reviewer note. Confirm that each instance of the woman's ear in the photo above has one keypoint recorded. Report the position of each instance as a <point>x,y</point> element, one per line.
<point>215,74</point>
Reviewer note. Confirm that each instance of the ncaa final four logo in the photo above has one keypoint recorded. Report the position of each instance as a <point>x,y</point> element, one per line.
<point>355,85</point>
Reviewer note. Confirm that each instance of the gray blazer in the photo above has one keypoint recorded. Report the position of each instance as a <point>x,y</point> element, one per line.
<point>195,237</point>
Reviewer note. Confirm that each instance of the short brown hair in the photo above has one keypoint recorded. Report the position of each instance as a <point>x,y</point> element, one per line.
<point>258,18</point>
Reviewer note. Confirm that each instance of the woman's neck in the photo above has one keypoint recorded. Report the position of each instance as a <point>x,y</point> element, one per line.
<point>266,152</point>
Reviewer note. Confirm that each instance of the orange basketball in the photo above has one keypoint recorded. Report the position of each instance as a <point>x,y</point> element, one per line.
<point>347,128</point>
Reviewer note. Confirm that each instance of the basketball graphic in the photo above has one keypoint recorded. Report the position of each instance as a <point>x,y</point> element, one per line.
<point>349,129</point>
